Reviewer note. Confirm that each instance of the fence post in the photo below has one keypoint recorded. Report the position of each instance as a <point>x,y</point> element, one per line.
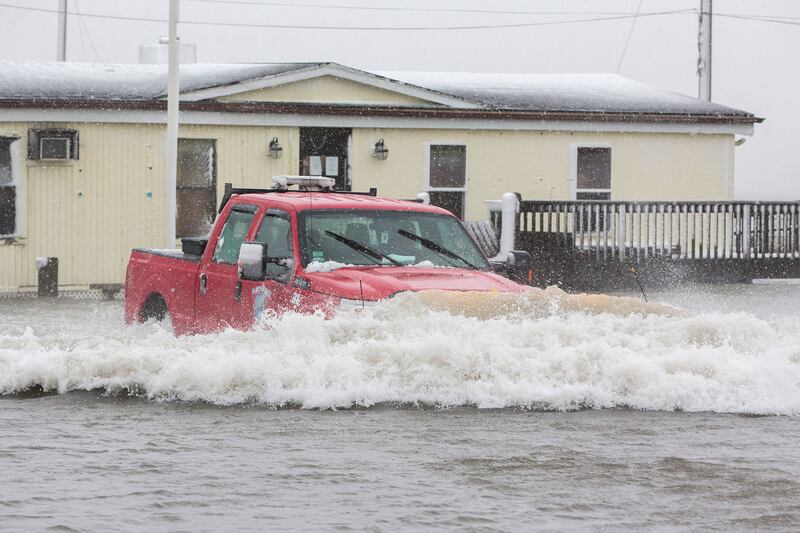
<point>746,232</point>
<point>509,225</point>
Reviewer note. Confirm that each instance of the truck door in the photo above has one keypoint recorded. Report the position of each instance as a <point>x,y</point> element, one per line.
<point>275,293</point>
<point>219,293</point>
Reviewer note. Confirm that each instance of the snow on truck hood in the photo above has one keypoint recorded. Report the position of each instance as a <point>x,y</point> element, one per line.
<point>379,282</point>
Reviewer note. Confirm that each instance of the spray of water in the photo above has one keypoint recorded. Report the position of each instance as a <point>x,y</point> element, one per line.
<point>544,349</point>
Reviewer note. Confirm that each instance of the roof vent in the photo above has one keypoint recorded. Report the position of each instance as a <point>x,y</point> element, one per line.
<point>158,53</point>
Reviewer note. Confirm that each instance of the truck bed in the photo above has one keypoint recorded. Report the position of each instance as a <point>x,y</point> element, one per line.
<point>170,274</point>
<point>169,252</point>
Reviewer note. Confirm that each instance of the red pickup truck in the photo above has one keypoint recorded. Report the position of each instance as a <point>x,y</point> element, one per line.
<point>307,250</point>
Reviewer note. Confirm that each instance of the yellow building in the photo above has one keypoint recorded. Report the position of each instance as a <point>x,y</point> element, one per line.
<point>82,147</point>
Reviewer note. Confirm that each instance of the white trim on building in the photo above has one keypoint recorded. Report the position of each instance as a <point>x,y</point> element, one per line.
<point>354,121</point>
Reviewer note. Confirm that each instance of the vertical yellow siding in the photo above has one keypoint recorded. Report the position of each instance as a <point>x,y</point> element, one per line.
<point>326,89</point>
<point>645,166</point>
<point>90,213</point>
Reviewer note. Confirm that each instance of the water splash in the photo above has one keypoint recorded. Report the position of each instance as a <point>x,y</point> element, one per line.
<point>540,350</point>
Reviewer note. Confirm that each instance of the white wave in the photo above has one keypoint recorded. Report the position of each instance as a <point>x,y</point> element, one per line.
<point>541,350</point>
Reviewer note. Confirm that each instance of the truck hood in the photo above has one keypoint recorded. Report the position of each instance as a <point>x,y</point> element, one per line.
<point>382,282</point>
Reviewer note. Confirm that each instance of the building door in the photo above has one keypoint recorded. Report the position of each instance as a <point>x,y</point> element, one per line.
<point>196,187</point>
<point>324,152</point>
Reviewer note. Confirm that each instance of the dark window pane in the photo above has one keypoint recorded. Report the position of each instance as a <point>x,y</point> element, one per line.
<point>8,210</point>
<point>196,212</point>
<point>448,166</point>
<point>453,201</point>
<point>6,177</point>
<point>594,168</point>
<point>232,236</point>
<point>276,233</point>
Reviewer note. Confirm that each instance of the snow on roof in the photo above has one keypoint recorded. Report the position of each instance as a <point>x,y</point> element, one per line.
<point>560,92</point>
<point>97,81</point>
<point>593,93</point>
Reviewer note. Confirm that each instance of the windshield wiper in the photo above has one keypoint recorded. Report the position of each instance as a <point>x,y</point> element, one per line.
<point>429,244</point>
<point>362,248</point>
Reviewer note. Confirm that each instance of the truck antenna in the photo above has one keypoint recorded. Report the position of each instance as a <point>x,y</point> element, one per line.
<point>361,287</point>
<point>311,224</point>
<point>636,275</point>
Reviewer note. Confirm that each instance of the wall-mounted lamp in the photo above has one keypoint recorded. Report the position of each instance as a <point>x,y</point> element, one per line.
<point>740,141</point>
<point>275,148</point>
<point>380,151</point>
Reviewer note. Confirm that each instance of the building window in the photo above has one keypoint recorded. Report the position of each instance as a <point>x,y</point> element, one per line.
<point>593,173</point>
<point>447,176</point>
<point>196,193</point>
<point>53,144</point>
<point>9,180</point>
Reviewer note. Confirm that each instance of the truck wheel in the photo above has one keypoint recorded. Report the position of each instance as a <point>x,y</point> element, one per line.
<point>154,307</point>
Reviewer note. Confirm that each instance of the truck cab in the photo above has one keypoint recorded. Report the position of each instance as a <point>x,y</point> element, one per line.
<point>305,251</point>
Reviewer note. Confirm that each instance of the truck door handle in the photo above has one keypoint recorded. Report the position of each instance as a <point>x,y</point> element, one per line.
<point>203,284</point>
<point>238,295</point>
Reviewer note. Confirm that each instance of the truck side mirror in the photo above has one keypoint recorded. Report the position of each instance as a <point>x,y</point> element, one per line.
<point>518,266</point>
<point>253,261</point>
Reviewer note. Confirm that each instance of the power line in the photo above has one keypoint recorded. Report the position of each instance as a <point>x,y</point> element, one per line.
<point>757,18</point>
<point>88,15</point>
<point>630,34</point>
<point>88,33</point>
<point>763,18</point>
<point>360,28</point>
<point>409,9</point>
<point>444,28</point>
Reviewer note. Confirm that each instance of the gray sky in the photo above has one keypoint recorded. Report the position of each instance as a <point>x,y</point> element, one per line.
<point>755,62</point>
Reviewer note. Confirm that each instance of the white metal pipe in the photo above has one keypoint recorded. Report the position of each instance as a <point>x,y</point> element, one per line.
<point>704,49</point>
<point>62,30</point>
<point>171,141</point>
<point>509,211</point>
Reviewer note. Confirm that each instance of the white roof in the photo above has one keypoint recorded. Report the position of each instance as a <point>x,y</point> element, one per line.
<point>586,93</point>
<point>559,92</point>
<point>111,81</point>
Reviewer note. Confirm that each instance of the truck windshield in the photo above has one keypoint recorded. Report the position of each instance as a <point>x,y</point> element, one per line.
<point>390,238</point>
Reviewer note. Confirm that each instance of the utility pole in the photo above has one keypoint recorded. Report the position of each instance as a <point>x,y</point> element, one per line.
<point>704,49</point>
<point>171,142</point>
<point>62,30</point>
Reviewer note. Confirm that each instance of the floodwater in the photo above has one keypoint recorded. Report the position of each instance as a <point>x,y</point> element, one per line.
<point>435,411</point>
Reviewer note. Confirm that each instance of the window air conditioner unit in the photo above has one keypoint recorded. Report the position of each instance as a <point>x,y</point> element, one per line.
<point>54,148</point>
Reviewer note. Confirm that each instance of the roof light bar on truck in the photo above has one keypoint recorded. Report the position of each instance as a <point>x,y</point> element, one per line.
<point>307,181</point>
